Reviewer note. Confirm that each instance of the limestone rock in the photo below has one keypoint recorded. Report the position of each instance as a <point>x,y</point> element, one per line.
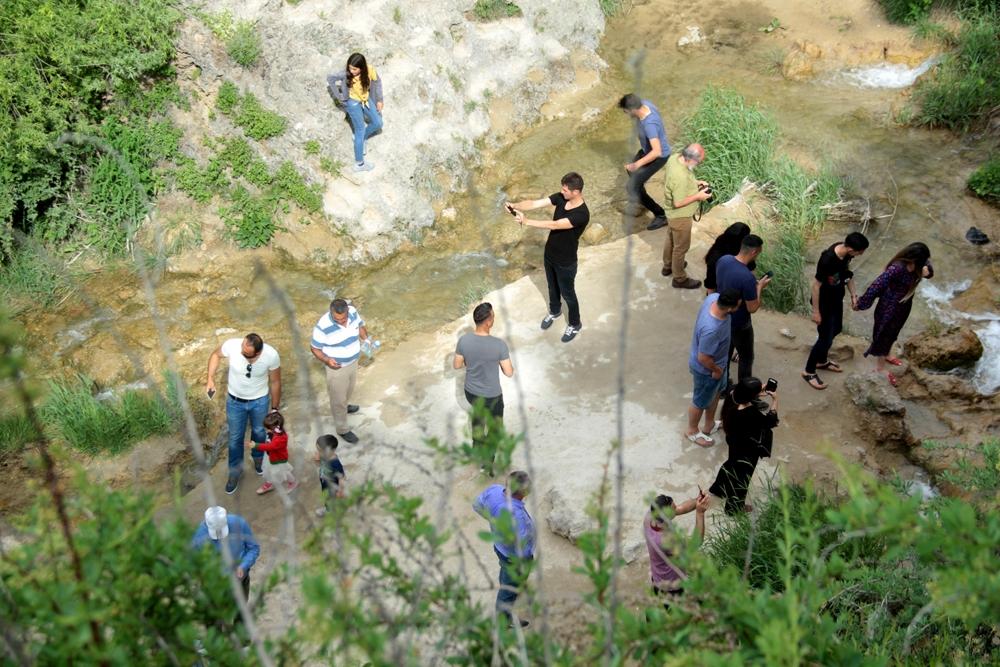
<point>595,233</point>
<point>692,38</point>
<point>800,61</point>
<point>881,412</point>
<point>566,518</point>
<point>958,347</point>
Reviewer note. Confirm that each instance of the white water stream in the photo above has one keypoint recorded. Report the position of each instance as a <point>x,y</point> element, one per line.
<point>986,375</point>
<point>888,75</point>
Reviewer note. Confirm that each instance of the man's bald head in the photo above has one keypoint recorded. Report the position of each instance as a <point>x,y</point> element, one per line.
<point>693,153</point>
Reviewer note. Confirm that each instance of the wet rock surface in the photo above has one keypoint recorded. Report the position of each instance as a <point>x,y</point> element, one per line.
<point>956,347</point>
<point>881,412</point>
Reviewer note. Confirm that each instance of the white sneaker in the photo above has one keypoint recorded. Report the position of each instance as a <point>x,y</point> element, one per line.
<point>364,166</point>
<point>570,333</point>
<point>549,319</point>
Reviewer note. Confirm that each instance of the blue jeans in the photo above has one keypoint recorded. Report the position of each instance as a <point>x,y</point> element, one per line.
<point>366,121</point>
<point>238,413</point>
<point>510,582</point>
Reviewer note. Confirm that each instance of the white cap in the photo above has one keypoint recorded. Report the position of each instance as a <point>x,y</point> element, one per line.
<point>218,525</point>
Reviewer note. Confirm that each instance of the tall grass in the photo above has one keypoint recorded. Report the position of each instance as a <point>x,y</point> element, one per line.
<point>75,415</point>
<point>16,431</point>
<point>740,141</point>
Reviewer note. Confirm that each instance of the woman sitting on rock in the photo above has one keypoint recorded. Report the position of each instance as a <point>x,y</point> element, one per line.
<point>726,243</point>
<point>748,421</point>
<point>356,88</point>
<point>894,290</point>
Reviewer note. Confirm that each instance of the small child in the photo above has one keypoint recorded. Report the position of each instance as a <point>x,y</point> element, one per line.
<point>331,471</point>
<point>277,469</point>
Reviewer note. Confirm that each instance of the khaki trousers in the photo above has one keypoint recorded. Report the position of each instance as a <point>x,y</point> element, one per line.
<point>676,245</point>
<point>340,386</point>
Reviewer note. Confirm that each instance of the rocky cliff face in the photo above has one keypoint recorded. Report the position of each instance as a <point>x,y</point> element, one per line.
<point>446,75</point>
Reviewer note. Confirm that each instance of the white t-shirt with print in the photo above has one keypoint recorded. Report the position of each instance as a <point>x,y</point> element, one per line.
<point>256,385</point>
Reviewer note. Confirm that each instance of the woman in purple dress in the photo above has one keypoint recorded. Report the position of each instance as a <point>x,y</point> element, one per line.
<point>894,290</point>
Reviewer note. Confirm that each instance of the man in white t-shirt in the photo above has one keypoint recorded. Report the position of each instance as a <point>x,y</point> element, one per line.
<point>254,388</point>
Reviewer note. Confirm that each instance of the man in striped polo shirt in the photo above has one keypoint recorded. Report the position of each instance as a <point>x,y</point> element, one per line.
<point>336,341</point>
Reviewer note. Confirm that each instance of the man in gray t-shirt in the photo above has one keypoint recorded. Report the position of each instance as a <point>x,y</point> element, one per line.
<point>483,357</point>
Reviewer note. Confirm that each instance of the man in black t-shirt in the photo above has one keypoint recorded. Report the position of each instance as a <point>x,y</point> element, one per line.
<point>833,275</point>
<point>568,222</point>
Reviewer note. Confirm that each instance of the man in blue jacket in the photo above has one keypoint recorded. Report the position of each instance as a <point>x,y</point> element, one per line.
<point>233,531</point>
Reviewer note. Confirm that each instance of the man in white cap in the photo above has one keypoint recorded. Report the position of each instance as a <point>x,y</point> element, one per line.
<point>220,528</point>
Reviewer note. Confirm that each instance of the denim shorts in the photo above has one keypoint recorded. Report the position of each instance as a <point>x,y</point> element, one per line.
<point>706,388</point>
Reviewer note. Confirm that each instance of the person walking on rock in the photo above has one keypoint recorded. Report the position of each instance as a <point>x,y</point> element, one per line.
<point>356,88</point>
<point>654,149</point>
<point>708,362</point>
<point>734,273</point>
<point>833,276</point>
<point>683,193</point>
<point>483,356</point>
<point>894,289</point>
<point>565,229</point>
<point>504,509</point>
<point>662,542</point>
<point>221,529</point>
<point>336,342</point>
<point>748,421</point>
<point>254,387</point>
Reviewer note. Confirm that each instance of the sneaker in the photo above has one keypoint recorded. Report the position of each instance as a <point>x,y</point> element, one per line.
<point>351,409</point>
<point>265,488</point>
<point>658,222</point>
<point>570,333</point>
<point>320,512</point>
<point>232,483</point>
<point>348,437</point>
<point>549,319</point>
<point>523,623</point>
<point>258,466</point>
<point>364,166</point>
<point>687,283</point>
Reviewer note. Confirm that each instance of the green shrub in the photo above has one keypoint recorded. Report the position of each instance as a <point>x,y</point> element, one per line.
<point>248,113</point>
<point>985,181</point>
<point>612,7</point>
<point>311,147</point>
<point>33,278</point>
<point>249,219</point>
<point>244,46</point>
<point>227,98</point>
<point>199,184</point>
<point>76,416</point>
<point>240,157</point>
<point>16,432</point>
<point>491,10</point>
<point>331,166</point>
<point>977,468</point>
<point>966,86</point>
<point>289,184</point>
<point>906,11</point>
<point>70,67</point>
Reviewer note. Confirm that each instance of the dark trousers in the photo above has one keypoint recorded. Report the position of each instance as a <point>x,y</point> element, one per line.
<point>831,323</point>
<point>636,186</point>
<point>510,583</point>
<point>742,343</point>
<point>562,287</point>
<point>495,407</point>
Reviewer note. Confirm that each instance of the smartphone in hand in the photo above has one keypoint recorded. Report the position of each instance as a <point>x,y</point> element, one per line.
<point>771,386</point>
<point>211,394</point>
<point>510,209</point>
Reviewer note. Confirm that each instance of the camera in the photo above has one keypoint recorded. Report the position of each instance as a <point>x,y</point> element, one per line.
<point>771,386</point>
<point>708,189</point>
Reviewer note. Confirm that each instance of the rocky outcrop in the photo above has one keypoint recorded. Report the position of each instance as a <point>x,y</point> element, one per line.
<point>565,518</point>
<point>881,412</point>
<point>442,69</point>
<point>957,347</point>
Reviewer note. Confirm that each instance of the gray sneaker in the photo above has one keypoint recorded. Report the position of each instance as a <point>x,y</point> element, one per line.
<point>549,319</point>
<point>364,166</point>
<point>570,333</point>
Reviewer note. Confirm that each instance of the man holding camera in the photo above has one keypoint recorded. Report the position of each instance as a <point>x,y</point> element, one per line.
<point>684,194</point>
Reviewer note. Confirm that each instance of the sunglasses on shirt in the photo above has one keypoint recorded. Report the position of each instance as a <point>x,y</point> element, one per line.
<point>249,369</point>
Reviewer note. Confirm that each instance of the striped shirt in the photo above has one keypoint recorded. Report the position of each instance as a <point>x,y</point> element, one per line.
<point>341,343</point>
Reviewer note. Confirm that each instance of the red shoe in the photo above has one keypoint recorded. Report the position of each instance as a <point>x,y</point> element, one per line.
<point>265,487</point>
<point>893,360</point>
<point>290,486</point>
<point>893,380</point>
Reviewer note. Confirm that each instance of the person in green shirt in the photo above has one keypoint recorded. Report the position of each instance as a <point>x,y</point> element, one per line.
<point>682,193</point>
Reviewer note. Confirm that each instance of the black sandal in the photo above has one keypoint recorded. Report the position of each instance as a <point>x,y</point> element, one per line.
<point>810,377</point>
<point>831,366</point>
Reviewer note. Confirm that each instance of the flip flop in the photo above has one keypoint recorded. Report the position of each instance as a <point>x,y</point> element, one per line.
<point>716,427</point>
<point>893,360</point>
<point>810,378</point>
<point>831,366</point>
<point>893,380</point>
<point>701,439</point>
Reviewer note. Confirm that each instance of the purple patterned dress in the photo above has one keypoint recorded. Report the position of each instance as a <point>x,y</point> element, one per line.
<point>891,312</point>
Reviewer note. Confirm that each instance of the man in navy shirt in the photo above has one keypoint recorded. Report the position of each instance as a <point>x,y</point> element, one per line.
<point>653,153</point>
<point>733,273</point>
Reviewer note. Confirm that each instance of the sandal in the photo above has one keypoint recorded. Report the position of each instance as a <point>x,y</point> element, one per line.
<point>716,427</point>
<point>701,439</point>
<point>893,380</point>
<point>813,380</point>
<point>265,487</point>
<point>893,360</point>
<point>831,366</point>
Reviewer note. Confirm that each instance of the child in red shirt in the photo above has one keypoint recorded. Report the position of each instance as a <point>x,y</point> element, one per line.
<point>277,469</point>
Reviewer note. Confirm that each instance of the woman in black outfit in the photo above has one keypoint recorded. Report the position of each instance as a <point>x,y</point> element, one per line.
<point>726,243</point>
<point>747,420</point>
